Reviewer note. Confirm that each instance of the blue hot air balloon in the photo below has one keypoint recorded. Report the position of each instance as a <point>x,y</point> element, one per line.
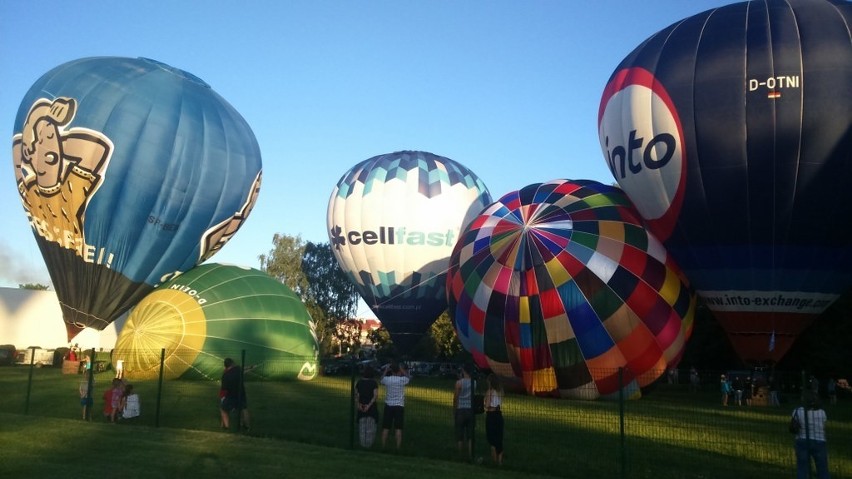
<point>731,132</point>
<point>130,171</point>
<point>393,221</point>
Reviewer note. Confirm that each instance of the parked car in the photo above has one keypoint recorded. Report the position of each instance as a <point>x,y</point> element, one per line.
<point>36,356</point>
<point>7,355</point>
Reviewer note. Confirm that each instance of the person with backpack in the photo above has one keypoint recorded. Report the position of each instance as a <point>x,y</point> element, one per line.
<point>810,440</point>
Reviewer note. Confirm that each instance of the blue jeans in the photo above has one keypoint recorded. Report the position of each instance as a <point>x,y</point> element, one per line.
<point>805,449</point>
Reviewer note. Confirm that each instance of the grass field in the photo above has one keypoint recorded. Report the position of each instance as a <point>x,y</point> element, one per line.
<point>49,447</point>
<point>670,433</point>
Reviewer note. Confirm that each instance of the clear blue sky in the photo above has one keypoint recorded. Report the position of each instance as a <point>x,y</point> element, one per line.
<point>509,89</point>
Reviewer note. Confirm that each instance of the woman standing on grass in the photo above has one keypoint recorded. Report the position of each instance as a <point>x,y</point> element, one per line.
<point>725,388</point>
<point>494,418</point>
<point>463,412</point>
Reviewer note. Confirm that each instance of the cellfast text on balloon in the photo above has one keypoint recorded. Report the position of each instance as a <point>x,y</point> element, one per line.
<point>392,235</point>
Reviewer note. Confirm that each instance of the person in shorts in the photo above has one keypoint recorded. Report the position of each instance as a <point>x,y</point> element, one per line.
<point>463,411</point>
<point>395,379</point>
<point>86,397</point>
<point>232,395</point>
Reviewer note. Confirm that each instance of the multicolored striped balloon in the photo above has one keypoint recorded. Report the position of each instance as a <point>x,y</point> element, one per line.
<point>560,284</point>
<point>215,311</point>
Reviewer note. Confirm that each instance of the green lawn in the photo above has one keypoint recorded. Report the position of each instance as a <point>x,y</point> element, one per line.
<point>670,433</point>
<point>50,447</point>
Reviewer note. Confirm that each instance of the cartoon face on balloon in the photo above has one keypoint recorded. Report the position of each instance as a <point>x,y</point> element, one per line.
<point>560,285</point>
<point>726,132</point>
<point>393,220</point>
<point>126,179</point>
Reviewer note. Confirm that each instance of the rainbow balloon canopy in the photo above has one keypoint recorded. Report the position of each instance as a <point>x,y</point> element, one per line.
<point>560,285</point>
<point>215,311</point>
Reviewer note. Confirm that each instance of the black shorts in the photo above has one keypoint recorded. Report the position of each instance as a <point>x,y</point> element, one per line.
<point>231,403</point>
<point>464,424</point>
<point>394,417</point>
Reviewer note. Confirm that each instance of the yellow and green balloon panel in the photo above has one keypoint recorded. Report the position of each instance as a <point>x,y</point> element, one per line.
<point>214,311</point>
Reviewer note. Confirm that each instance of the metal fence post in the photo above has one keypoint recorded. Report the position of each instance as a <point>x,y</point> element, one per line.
<point>160,386</point>
<point>472,418</point>
<point>240,389</point>
<point>352,428</point>
<point>30,380</point>
<point>90,388</point>
<point>623,458</point>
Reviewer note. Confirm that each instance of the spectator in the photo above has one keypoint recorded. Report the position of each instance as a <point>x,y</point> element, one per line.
<point>725,389</point>
<point>463,412</point>
<point>86,364</point>
<point>112,400</point>
<point>119,369</point>
<point>130,406</point>
<point>738,390</point>
<point>811,440</point>
<point>748,392</point>
<point>831,389</point>
<point>366,395</point>
<point>232,396</point>
<point>774,400</point>
<point>494,418</point>
<point>395,379</point>
<point>87,400</point>
<point>694,380</point>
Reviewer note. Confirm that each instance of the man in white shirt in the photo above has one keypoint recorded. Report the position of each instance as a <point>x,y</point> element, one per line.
<point>395,379</point>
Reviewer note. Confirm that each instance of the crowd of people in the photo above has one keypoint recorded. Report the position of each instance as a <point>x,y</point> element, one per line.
<point>120,402</point>
<point>395,377</point>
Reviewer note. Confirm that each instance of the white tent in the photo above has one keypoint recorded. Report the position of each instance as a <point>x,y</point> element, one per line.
<point>33,318</point>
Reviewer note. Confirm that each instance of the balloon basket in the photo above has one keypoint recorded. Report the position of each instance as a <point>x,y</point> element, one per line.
<point>760,396</point>
<point>70,367</point>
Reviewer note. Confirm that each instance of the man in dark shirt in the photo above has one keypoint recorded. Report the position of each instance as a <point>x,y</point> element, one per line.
<point>232,395</point>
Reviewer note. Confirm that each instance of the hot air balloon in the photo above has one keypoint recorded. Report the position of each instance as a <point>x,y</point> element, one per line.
<point>730,132</point>
<point>393,221</point>
<point>560,284</point>
<point>130,171</point>
<point>215,311</point>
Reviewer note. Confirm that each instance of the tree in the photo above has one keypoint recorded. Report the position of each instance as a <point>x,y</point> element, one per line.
<point>34,286</point>
<point>311,271</point>
<point>284,263</point>
<point>329,290</point>
<point>446,341</point>
<point>385,350</point>
<point>347,336</point>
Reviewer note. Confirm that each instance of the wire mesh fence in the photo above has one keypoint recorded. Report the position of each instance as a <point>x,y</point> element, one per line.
<point>678,428</point>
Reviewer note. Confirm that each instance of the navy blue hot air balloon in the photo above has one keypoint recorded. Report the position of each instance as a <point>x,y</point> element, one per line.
<point>130,172</point>
<point>731,132</point>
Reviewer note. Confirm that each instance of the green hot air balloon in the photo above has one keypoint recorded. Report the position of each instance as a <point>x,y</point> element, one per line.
<point>215,311</point>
